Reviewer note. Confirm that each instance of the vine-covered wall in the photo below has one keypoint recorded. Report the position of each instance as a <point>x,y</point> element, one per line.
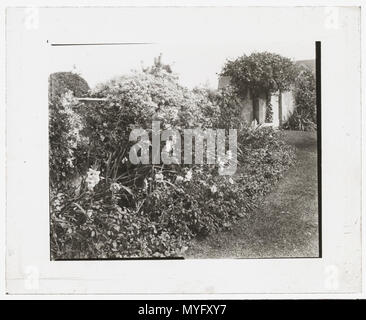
<point>251,110</point>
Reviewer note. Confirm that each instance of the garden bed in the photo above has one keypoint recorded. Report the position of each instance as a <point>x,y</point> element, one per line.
<point>102,206</point>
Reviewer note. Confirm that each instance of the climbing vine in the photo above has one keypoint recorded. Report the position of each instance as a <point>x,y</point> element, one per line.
<point>260,73</point>
<point>269,111</point>
<point>263,72</point>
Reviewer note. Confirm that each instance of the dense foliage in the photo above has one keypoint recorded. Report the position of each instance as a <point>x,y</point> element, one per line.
<point>304,116</point>
<point>170,209</point>
<point>260,73</point>
<point>227,113</point>
<point>264,73</point>
<point>61,82</point>
<point>117,209</point>
<point>66,153</point>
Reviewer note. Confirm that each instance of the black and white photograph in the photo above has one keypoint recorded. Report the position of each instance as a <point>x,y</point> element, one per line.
<point>183,149</point>
<point>170,202</point>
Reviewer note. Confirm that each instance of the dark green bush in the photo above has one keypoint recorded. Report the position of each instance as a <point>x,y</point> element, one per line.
<point>67,147</point>
<point>61,82</point>
<point>98,227</point>
<point>304,116</point>
<point>229,108</point>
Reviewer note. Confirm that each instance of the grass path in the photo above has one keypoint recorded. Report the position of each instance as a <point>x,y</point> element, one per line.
<point>285,224</point>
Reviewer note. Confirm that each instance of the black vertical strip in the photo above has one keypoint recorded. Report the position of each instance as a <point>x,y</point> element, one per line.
<point>319,138</point>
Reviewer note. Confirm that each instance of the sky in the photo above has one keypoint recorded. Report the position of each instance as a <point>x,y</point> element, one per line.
<point>196,42</point>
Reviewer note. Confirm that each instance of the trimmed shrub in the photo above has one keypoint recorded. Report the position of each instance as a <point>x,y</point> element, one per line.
<point>61,82</point>
<point>66,143</point>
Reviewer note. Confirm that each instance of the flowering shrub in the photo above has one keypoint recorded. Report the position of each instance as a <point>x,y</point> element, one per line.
<point>198,205</point>
<point>207,202</point>
<point>172,207</point>
<point>143,97</point>
<point>98,227</point>
<point>264,158</point>
<point>138,99</point>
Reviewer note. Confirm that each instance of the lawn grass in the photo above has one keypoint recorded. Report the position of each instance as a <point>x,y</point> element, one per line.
<point>285,223</point>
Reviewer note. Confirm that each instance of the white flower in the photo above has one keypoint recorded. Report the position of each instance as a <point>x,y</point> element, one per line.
<point>92,178</point>
<point>213,189</point>
<point>179,179</point>
<point>146,185</point>
<point>67,99</point>
<point>69,162</point>
<point>159,177</point>
<point>89,213</point>
<point>115,187</point>
<point>188,176</point>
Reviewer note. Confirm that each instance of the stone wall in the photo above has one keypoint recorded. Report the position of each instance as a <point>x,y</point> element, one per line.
<point>247,109</point>
<point>288,104</point>
<point>275,109</point>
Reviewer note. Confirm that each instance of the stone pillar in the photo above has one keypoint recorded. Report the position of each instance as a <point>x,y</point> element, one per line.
<point>280,117</point>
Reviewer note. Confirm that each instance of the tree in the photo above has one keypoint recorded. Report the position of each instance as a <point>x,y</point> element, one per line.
<point>260,72</point>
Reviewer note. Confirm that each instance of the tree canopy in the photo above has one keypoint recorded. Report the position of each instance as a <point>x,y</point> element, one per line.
<point>260,72</point>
